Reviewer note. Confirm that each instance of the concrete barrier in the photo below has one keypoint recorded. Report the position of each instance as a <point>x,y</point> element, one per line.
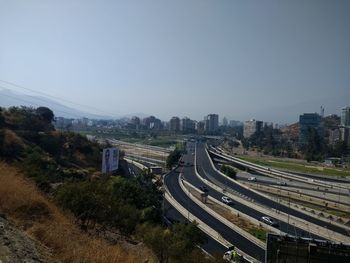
<point>204,227</point>
<point>222,219</point>
<point>241,214</point>
<point>277,173</point>
<point>300,223</point>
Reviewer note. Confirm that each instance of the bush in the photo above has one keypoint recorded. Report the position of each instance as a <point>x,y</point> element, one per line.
<point>11,146</point>
<point>229,171</point>
<point>177,244</point>
<point>173,158</point>
<point>118,202</point>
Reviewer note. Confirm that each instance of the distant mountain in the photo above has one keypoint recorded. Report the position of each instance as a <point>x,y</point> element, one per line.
<point>10,98</point>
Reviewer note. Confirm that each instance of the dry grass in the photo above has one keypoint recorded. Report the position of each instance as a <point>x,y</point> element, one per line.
<point>11,137</point>
<point>41,219</point>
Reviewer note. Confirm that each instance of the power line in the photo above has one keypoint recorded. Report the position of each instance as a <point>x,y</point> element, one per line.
<point>30,102</point>
<point>36,98</point>
<point>55,97</point>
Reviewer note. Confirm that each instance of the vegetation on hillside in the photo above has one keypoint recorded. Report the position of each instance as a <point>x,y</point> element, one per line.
<point>22,203</point>
<point>65,166</point>
<point>229,171</point>
<point>316,148</point>
<point>175,155</point>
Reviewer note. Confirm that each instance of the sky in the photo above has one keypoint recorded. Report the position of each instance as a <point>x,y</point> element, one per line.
<point>268,60</point>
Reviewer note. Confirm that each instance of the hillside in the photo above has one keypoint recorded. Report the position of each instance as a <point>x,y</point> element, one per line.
<point>42,220</point>
<point>52,188</point>
<point>291,131</point>
<point>37,159</point>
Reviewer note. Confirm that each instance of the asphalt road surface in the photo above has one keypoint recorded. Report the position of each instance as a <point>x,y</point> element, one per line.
<point>205,169</point>
<point>172,183</point>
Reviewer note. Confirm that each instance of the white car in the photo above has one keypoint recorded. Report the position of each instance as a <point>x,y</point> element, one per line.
<point>269,221</point>
<point>281,183</point>
<point>227,200</point>
<point>253,179</point>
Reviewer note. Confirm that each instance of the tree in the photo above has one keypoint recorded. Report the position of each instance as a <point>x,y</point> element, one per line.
<point>173,158</point>
<point>339,149</point>
<point>315,146</point>
<point>176,244</point>
<point>45,114</point>
<point>229,171</point>
<point>2,119</point>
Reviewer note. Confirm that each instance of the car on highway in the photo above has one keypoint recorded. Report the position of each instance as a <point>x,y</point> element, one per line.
<point>270,221</point>
<point>253,179</point>
<point>227,200</point>
<point>281,183</point>
<point>203,188</point>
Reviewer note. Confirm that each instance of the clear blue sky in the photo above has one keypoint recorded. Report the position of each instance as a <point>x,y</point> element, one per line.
<point>241,59</point>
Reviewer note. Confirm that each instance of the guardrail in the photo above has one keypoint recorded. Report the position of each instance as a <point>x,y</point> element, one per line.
<point>204,227</point>
<point>277,173</point>
<point>294,207</point>
<point>306,226</point>
<point>240,213</point>
<point>222,219</point>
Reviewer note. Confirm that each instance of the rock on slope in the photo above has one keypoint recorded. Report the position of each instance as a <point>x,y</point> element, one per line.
<point>16,246</point>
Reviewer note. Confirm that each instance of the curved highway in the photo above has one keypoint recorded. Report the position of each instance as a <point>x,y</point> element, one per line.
<point>205,168</point>
<point>212,246</point>
<point>171,181</point>
<point>191,177</point>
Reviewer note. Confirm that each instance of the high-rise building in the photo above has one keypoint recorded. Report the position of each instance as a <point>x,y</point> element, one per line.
<point>152,123</point>
<point>345,134</point>
<point>135,122</point>
<point>174,124</point>
<point>334,136</point>
<point>251,127</point>
<point>234,123</point>
<point>211,123</point>
<point>309,121</point>
<point>200,127</point>
<point>345,117</point>
<point>188,125</point>
<point>224,122</point>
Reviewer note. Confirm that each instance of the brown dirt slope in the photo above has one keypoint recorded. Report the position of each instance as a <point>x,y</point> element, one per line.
<point>31,211</point>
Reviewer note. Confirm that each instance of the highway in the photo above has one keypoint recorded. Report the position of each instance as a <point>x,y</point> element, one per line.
<point>330,195</point>
<point>191,177</point>
<point>171,181</point>
<point>212,246</point>
<point>206,169</point>
<point>271,172</point>
<point>172,215</point>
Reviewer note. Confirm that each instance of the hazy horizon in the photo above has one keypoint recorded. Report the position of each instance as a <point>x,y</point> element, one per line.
<point>270,60</point>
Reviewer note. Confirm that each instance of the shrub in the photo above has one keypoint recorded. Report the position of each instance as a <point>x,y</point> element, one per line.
<point>229,171</point>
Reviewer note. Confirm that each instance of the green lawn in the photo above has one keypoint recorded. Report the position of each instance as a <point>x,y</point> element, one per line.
<point>297,167</point>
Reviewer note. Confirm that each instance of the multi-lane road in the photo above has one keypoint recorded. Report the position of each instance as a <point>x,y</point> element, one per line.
<point>192,178</point>
<point>198,158</point>
<point>171,181</point>
<point>206,168</point>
